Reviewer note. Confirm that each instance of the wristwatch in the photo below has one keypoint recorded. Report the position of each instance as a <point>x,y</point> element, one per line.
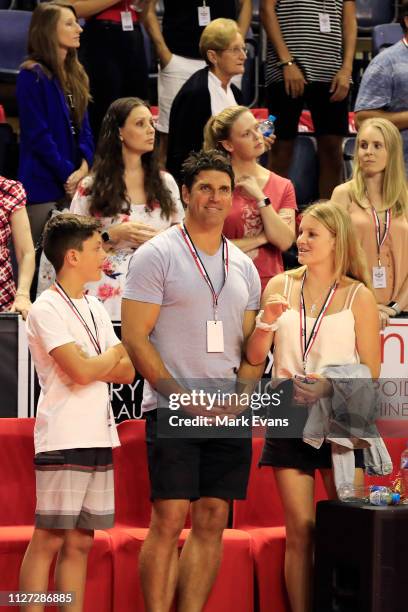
<point>105,236</point>
<point>395,307</point>
<point>263,203</point>
<point>287,63</point>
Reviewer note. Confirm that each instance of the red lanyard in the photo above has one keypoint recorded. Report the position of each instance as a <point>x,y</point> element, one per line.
<point>387,225</point>
<point>306,345</point>
<point>93,338</point>
<point>195,255</point>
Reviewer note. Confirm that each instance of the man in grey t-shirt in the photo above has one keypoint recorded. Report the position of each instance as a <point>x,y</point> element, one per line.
<point>189,305</point>
<point>384,88</point>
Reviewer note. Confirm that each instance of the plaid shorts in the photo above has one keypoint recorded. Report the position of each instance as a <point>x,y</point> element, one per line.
<point>75,489</point>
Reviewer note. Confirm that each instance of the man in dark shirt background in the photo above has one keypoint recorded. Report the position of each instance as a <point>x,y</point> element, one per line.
<point>177,45</point>
<point>309,59</point>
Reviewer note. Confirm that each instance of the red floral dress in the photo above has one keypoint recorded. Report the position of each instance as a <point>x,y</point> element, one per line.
<point>110,288</point>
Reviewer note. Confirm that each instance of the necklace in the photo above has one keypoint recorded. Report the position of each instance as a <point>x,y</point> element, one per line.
<point>318,300</point>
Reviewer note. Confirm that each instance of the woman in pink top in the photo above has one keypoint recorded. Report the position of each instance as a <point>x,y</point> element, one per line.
<point>262,220</point>
<point>377,200</point>
<point>323,296</point>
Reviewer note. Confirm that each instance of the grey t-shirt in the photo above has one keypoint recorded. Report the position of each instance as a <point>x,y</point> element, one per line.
<point>163,272</point>
<point>385,85</point>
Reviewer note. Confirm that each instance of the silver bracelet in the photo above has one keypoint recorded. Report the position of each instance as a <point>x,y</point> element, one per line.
<point>269,327</point>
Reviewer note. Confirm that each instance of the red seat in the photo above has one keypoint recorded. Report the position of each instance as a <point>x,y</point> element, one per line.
<point>233,589</point>
<point>17,507</point>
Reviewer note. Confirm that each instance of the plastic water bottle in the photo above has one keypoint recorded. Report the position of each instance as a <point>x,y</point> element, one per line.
<point>404,473</point>
<point>267,127</point>
<point>349,492</point>
<point>382,496</point>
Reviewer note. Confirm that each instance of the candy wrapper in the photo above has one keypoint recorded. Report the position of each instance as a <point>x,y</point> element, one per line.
<point>397,487</point>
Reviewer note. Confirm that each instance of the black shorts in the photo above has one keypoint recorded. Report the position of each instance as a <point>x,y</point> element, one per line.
<point>294,453</point>
<point>329,118</point>
<point>190,468</point>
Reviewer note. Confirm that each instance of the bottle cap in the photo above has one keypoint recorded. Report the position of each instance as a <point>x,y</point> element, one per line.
<point>273,118</point>
<point>395,498</point>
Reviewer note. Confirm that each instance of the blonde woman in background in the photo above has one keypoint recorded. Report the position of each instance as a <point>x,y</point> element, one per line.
<point>377,200</point>
<point>327,297</point>
<point>262,219</point>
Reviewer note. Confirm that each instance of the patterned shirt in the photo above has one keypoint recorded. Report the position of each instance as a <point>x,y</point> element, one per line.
<point>318,54</point>
<point>12,198</point>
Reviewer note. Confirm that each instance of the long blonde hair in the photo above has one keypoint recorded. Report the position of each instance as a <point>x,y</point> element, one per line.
<point>43,50</point>
<point>349,257</point>
<point>218,127</point>
<point>394,189</point>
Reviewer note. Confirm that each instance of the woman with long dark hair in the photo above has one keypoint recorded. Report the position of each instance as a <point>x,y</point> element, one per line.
<point>126,190</point>
<point>56,145</point>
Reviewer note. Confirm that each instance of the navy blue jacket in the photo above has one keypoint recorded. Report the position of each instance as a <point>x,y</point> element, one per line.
<point>189,113</point>
<point>49,153</point>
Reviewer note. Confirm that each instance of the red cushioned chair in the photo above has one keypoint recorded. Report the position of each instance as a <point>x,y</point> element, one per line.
<point>261,516</point>
<point>233,589</point>
<point>17,506</point>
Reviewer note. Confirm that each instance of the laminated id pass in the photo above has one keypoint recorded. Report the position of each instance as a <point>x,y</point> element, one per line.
<point>379,277</point>
<point>204,16</point>
<point>324,23</point>
<point>127,22</point>
<point>215,337</point>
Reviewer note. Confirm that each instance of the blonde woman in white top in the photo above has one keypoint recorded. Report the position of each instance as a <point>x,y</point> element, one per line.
<point>331,288</point>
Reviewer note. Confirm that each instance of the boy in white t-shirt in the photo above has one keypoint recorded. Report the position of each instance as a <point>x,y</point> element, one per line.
<point>76,353</point>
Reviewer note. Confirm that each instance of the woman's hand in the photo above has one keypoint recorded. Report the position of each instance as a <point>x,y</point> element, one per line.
<point>249,185</point>
<point>21,304</point>
<point>274,307</point>
<point>385,313</point>
<point>269,141</point>
<point>132,232</point>
<point>310,392</point>
<point>72,181</point>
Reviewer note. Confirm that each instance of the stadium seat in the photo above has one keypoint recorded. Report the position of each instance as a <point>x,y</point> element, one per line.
<point>17,494</point>
<point>13,42</point>
<point>304,171</point>
<point>373,12</point>
<point>385,35</point>
<point>348,156</point>
<point>229,594</point>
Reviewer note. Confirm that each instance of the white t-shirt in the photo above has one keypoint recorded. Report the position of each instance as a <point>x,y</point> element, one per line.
<point>69,415</point>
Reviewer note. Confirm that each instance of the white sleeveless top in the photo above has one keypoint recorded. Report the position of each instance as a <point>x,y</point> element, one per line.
<point>335,344</point>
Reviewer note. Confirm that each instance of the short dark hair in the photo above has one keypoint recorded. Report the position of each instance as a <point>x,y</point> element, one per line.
<point>66,231</point>
<point>403,12</point>
<point>205,160</point>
